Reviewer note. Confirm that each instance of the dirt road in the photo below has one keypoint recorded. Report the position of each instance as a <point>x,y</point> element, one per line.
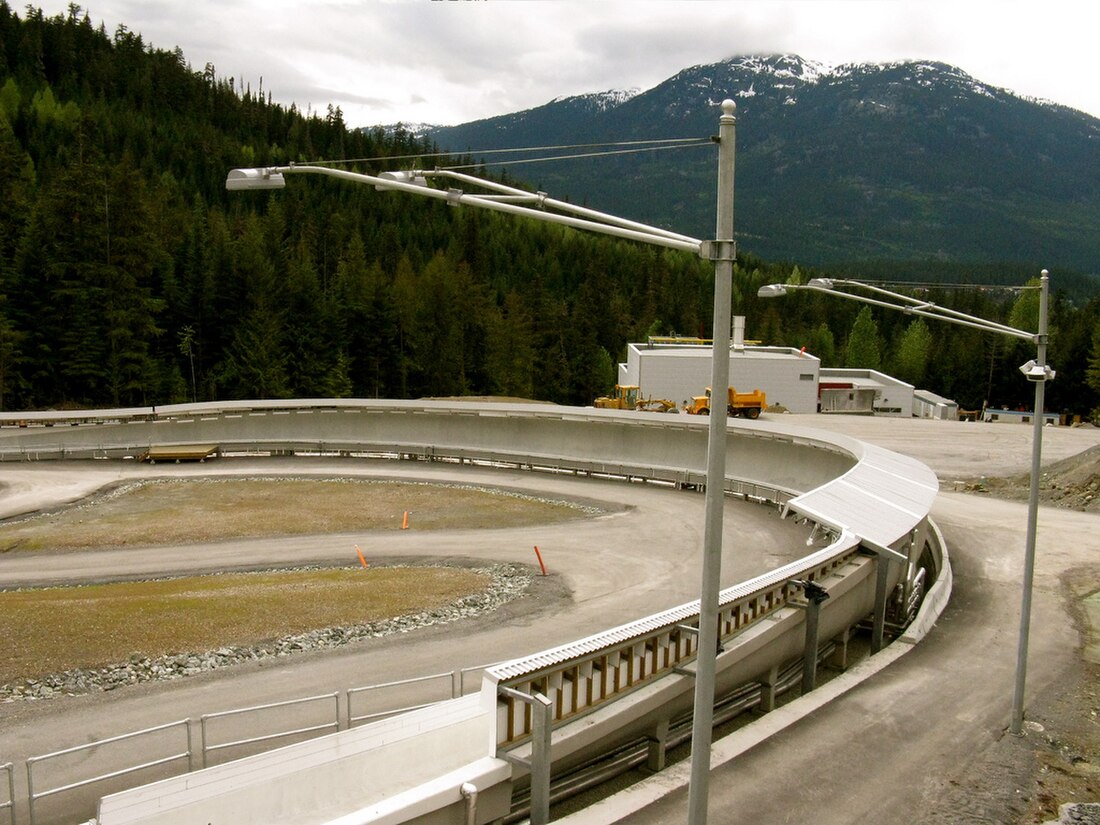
<point>924,741</point>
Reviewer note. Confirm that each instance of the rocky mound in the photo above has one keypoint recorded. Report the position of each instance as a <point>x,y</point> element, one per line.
<point>1073,483</point>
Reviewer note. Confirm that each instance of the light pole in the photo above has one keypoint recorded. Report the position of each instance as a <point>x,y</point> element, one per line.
<point>1037,371</point>
<point>722,252</point>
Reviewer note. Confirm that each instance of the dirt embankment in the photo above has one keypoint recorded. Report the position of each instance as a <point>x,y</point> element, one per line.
<point>1073,483</point>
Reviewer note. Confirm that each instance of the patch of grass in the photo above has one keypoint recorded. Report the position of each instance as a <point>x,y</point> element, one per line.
<point>184,512</point>
<point>52,630</point>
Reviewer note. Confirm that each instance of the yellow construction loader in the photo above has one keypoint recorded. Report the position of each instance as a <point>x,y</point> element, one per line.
<point>627,397</point>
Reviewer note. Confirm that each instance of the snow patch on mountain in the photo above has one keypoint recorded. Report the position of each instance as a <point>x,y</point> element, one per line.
<point>602,101</point>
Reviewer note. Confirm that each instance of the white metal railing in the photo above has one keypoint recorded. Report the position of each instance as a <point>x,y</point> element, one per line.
<point>33,796</point>
<point>453,683</point>
<point>207,719</point>
<point>9,806</point>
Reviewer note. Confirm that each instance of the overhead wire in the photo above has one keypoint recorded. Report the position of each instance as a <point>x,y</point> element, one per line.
<point>579,156</point>
<point>945,285</point>
<point>646,145</point>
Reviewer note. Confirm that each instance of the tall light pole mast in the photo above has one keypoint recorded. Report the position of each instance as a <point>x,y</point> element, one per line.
<point>723,253</point>
<point>1037,371</point>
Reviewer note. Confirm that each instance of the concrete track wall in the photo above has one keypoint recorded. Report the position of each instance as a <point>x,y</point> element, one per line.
<point>853,492</point>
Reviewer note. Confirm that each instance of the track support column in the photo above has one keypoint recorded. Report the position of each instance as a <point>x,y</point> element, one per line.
<point>815,596</point>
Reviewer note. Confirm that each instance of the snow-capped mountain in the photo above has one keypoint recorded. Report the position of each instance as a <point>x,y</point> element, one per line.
<point>912,160</point>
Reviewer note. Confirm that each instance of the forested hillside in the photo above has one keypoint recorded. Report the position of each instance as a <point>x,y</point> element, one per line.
<point>128,276</point>
<point>914,162</point>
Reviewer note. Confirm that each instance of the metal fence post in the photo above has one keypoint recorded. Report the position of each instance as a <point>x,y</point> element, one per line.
<point>542,721</point>
<point>9,769</point>
<point>543,712</point>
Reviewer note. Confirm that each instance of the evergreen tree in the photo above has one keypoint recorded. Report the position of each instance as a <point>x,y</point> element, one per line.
<point>310,360</point>
<point>1092,373</point>
<point>511,352</point>
<point>823,345</point>
<point>914,352</point>
<point>255,363</point>
<point>863,342</point>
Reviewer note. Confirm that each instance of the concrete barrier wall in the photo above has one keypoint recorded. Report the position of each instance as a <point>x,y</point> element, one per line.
<point>427,754</point>
<point>589,440</point>
<point>851,489</point>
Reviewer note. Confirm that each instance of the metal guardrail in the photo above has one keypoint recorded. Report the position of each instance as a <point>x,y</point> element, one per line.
<point>33,796</point>
<point>204,721</point>
<point>9,806</point>
<point>454,684</point>
<point>457,682</point>
<point>455,679</point>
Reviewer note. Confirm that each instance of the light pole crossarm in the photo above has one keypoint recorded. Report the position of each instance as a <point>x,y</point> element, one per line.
<point>271,178</point>
<point>909,306</point>
<point>547,202</point>
<point>943,313</point>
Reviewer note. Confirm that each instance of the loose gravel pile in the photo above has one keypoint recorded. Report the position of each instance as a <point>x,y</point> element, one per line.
<point>1072,483</point>
<point>508,582</point>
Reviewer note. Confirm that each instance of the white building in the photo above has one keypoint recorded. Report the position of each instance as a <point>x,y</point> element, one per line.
<point>927,404</point>
<point>680,371</point>
<point>1017,416</point>
<point>869,392</point>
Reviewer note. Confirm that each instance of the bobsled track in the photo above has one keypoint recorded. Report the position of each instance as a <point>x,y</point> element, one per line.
<point>849,517</point>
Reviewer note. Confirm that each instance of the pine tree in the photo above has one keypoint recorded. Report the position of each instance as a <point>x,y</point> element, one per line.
<point>863,342</point>
<point>914,353</point>
<point>1092,373</point>
<point>822,344</point>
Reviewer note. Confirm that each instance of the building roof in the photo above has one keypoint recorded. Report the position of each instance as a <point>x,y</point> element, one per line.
<point>695,350</point>
<point>928,395</point>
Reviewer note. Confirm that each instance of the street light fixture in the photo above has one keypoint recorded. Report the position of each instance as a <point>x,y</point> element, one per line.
<point>722,252</point>
<point>1036,370</point>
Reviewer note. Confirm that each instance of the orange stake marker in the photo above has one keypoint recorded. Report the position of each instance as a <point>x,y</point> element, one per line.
<point>405,521</point>
<point>362,560</point>
<point>538,555</point>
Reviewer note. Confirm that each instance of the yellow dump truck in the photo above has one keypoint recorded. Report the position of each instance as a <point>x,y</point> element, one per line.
<point>628,397</point>
<point>747,404</point>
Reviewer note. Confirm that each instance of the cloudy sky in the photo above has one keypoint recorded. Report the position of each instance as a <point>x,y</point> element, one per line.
<point>452,61</point>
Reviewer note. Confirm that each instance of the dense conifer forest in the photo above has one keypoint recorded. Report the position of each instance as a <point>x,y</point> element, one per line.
<point>129,276</point>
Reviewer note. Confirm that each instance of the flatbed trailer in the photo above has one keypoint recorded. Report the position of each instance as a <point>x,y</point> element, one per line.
<point>181,452</point>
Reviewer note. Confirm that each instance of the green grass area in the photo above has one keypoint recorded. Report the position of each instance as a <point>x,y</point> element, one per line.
<point>183,512</point>
<point>52,630</point>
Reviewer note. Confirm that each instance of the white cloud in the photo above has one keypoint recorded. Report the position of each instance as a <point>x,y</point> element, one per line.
<point>449,62</point>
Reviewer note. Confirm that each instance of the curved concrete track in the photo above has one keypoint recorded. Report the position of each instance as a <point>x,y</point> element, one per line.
<point>922,741</point>
<point>607,570</point>
<point>925,740</point>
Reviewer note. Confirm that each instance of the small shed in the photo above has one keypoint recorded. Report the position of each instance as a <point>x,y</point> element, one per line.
<point>891,396</point>
<point>1016,416</point>
<point>927,404</point>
